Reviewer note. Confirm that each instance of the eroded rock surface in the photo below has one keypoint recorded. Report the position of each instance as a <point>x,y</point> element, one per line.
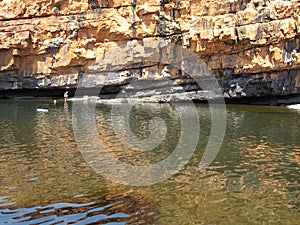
<point>252,46</point>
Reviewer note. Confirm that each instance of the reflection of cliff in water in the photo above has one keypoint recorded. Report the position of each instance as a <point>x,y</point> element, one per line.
<point>40,163</point>
<point>40,166</point>
<point>254,179</point>
<point>139,118</point>
<point>39,158</point>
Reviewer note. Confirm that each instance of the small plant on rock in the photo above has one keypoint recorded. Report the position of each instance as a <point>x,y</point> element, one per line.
<point>9,41</point>
<point>148,32</point>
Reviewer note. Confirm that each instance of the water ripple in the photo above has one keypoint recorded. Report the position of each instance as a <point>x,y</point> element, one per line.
<point>117,210</point>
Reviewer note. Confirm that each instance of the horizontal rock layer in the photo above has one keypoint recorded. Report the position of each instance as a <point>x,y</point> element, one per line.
<point>251,46</point>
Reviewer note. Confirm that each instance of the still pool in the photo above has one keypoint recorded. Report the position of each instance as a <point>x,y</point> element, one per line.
<point>46,178</point>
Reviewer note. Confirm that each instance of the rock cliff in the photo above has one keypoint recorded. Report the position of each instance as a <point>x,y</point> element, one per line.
<point>46,46</point>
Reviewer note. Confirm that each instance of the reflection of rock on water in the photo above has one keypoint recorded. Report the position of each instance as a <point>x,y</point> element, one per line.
<point>105,210</point>
<point>136,126</point>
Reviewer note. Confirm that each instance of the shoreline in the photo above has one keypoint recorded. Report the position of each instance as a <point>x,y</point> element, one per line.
<point>196,97</point>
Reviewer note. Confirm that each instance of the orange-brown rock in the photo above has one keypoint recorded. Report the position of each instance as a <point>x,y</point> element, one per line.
<point>52,44</point>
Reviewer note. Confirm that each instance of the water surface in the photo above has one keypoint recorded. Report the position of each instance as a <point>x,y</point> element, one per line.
<point>45,178</point>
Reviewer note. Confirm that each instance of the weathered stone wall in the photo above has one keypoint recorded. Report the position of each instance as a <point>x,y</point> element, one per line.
<point>58,43</point>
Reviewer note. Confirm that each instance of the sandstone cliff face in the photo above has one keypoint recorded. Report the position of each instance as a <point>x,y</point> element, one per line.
<point>252,46</point>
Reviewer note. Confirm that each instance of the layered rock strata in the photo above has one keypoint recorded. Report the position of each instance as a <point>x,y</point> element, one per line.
<point>251,46</point>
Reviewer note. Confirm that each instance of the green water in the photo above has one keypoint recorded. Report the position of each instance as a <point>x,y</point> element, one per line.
<point>45,178</point>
